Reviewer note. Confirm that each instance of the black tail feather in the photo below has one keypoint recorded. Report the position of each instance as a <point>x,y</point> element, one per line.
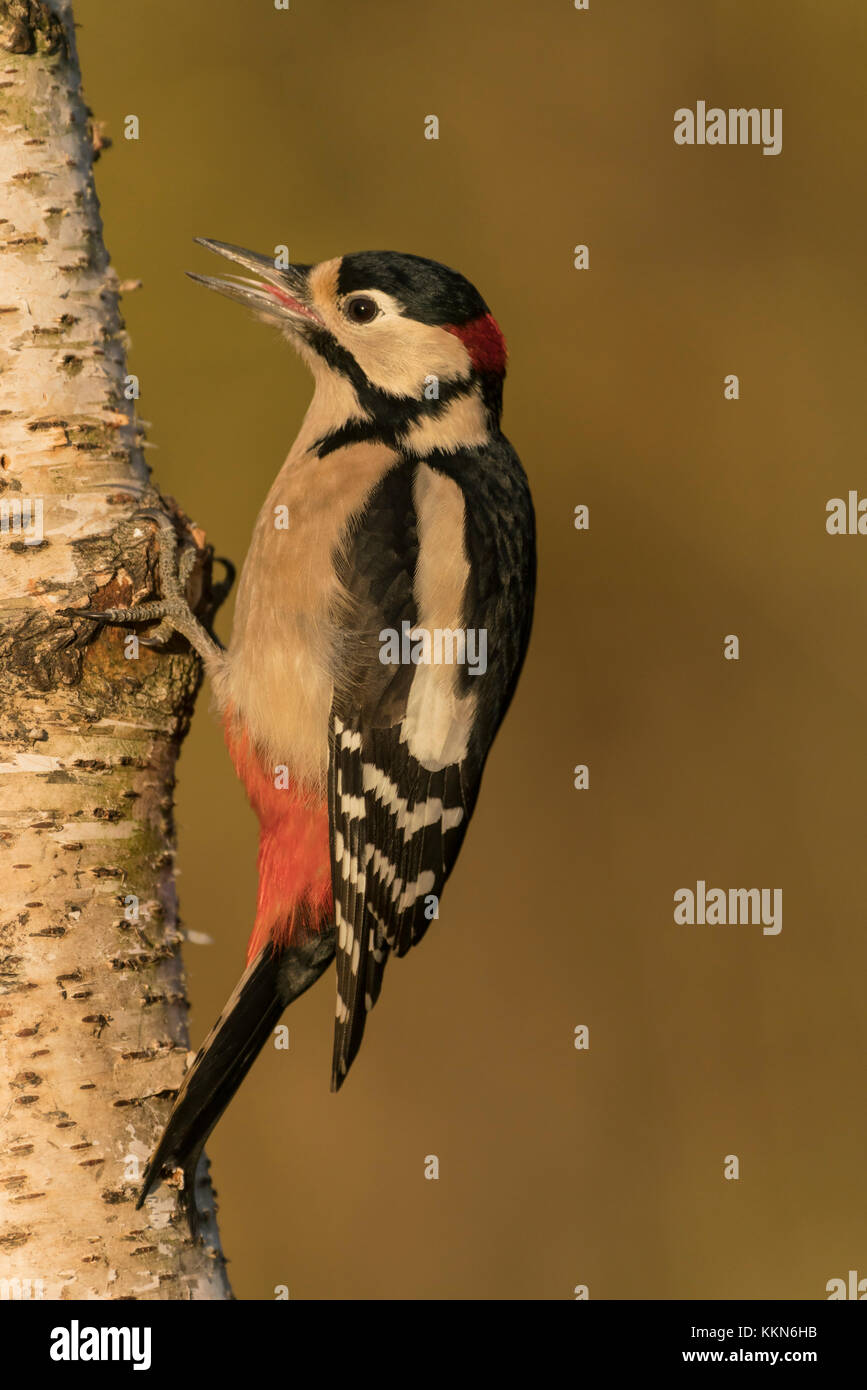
<point>268,985</point>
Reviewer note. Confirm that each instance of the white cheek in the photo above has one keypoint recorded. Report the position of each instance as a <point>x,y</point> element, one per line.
<point>396,353</point>
<point>400,355</point>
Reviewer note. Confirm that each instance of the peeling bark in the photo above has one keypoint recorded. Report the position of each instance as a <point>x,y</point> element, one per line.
<point>93,1037</point>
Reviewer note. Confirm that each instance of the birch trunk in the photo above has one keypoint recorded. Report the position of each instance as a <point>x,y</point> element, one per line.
<point>93,1039</point>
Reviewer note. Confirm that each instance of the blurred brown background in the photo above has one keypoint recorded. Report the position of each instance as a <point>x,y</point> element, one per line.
<point>558,1167</point>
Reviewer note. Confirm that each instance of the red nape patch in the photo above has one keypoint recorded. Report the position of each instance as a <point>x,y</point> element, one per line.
<point>294,858</point>
<point>484,342</point>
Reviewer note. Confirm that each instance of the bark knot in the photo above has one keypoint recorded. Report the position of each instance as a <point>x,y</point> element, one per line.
<point>29,26</point>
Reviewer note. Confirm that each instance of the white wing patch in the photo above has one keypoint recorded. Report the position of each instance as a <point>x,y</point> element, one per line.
<point>437,723</point>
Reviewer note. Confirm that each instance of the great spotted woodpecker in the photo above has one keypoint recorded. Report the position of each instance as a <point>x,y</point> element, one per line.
<point>397,539</point>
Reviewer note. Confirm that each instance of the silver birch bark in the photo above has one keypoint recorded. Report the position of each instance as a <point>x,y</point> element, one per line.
<point>93,1040</point>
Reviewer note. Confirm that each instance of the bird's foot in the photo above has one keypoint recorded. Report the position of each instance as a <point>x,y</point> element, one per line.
<point>172,612</point>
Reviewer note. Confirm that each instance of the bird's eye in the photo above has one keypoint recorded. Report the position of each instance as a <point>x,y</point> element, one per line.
<point>362,309</point>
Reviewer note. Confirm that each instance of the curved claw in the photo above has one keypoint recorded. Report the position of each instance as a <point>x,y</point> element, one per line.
<point>220,592</point>
<point>84,613</point>
<point>161,635</point>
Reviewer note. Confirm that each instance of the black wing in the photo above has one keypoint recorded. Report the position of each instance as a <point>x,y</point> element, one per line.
<point>397,821</point>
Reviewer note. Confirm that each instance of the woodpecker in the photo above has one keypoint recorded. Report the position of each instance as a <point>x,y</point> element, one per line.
<point>397,539</point>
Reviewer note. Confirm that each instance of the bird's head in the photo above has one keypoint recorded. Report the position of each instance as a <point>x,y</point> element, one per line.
<point>410,336</point>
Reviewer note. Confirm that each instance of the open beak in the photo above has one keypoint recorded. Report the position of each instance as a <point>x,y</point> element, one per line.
<point>280,295</point>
